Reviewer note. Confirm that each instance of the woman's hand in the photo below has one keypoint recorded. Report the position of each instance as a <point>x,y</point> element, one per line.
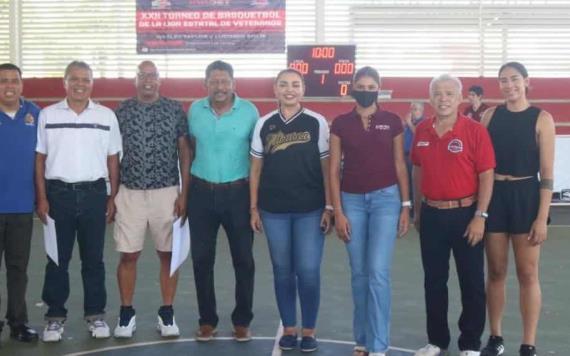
<point>538,232</point>
<point>342,226</point>
<point>255,220</point>
<point>326,220</point>
<point>404,221</point>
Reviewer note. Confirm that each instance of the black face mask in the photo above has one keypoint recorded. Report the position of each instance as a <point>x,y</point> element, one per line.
<point>364,98</point>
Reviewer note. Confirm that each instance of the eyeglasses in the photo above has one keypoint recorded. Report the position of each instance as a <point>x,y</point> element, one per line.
<point>220,82</point>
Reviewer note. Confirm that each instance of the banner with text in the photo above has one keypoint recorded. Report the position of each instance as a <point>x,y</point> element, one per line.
<point>210,26</point>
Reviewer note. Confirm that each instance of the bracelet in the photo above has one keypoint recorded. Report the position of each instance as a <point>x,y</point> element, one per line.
<point>547,184</point>
<point>329,207</point>
<point>407,204</point>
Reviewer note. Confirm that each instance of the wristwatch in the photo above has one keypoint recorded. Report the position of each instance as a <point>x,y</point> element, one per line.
<point>407,204</point>
<point>482,214</point>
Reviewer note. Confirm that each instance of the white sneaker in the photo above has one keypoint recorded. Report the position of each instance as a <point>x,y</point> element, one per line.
<point>98,329</point>
<point>469,353</point>
<point>53,331</point>
<point>170,330</point>
<point>126,331</point>
<point>430,350</point>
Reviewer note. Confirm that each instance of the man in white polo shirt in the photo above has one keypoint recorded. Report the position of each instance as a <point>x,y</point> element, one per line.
<point>78,149</point>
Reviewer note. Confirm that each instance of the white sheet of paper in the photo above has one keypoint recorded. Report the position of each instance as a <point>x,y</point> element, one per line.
<point>50,240</point>
<point>180,244</point>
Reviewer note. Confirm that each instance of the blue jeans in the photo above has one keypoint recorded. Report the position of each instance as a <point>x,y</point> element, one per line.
<point>79,212</point>
<point>373,219</point>
<point>296,246</point>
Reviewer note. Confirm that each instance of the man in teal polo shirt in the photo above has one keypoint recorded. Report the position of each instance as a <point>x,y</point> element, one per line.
<point>221,127</point>
<point>18,129</point>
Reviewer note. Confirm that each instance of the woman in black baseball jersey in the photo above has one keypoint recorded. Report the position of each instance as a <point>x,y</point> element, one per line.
<point>289,197</point>
<point>523,138</point>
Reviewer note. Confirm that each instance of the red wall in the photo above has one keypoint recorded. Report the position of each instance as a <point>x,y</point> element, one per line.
<point>550,94</point>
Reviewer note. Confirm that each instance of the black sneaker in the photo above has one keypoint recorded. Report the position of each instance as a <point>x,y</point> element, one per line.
<point>288,342</point>
<point>125,315</point>
<point>166,313</point>
<point>527,350</point>
<point>23,333</point>
<point>495,346</point>
<point>309,344</point>
<point>127,324</point>
<point>166,322</point>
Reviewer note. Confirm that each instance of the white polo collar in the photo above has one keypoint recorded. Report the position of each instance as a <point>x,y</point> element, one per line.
<point>64,105</point>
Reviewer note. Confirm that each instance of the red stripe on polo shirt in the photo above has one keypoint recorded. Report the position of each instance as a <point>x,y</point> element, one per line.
<point>451,164</point>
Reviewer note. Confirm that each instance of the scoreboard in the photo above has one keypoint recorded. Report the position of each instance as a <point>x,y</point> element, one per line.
<point>327,69</point>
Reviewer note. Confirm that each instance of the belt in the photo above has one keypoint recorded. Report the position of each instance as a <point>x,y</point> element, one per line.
<point>212,186</point>
<point>77,186</point>
<point>451,204</point>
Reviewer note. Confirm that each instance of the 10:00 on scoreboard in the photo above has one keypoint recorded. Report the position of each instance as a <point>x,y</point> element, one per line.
<point>327,69</point>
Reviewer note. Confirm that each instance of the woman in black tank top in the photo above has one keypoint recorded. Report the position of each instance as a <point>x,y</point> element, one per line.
<point>523,138</point>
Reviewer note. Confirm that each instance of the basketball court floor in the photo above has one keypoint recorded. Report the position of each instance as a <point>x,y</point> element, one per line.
<point>335,318</point>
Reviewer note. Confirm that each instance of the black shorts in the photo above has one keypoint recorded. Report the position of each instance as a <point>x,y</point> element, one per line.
<point>514,206</point>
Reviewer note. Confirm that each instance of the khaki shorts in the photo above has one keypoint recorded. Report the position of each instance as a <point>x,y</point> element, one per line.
<point>139,209</point>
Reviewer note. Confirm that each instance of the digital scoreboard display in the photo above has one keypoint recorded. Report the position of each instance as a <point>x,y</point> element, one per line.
<point>327,69</point>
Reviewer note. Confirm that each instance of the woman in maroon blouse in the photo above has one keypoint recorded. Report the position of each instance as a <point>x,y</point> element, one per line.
<point>371,205</point>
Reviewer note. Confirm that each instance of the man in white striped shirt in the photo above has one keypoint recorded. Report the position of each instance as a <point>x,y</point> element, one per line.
<point>77,151</point>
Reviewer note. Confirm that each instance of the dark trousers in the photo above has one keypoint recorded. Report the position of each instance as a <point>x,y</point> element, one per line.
<point>441,232</point>
<point>15,238</point>
<point>78,210</point>
<point>208,208</point>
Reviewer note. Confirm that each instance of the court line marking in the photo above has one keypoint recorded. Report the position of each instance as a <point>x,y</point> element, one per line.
<point>150,343</point>
<point>222,338</point>
<point>276,350</point>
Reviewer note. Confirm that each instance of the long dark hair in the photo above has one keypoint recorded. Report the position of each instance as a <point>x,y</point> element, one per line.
<point>367,72</point>
<point>519,67</point>
<point>290,70</point>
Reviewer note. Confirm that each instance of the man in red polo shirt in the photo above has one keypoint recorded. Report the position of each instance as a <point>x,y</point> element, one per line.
<point>453,162</point>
